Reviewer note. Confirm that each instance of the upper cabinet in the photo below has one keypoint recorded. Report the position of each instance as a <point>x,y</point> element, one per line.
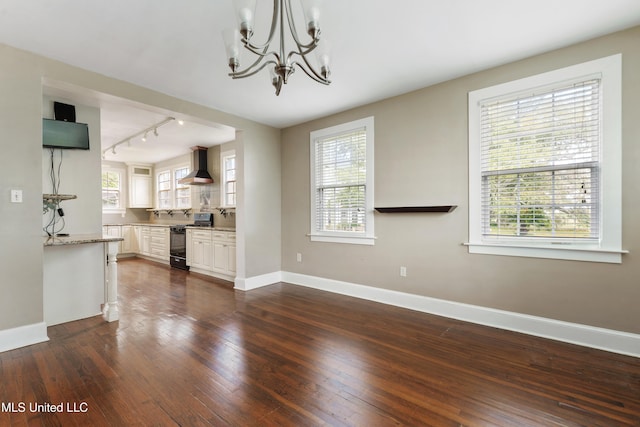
<point>140,186</point>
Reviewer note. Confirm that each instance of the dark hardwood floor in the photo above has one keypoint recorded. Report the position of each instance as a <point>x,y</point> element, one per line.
<point>189,350</point>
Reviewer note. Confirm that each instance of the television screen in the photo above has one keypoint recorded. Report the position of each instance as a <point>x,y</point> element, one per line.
<point>59,134</point>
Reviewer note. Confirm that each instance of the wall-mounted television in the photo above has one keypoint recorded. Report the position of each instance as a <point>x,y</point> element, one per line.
<point>61,134</point>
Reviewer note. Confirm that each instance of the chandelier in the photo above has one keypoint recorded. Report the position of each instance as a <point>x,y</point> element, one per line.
<point>281,63</point>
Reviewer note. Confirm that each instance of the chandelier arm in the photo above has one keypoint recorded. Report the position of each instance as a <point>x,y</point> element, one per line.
<point>248,69</point>
<point>248,72</point>
<point>311,72</point>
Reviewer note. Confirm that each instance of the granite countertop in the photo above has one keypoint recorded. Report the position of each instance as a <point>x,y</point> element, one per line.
<point>78,239</point>
<point>150,224</point>
<point>214,228</point>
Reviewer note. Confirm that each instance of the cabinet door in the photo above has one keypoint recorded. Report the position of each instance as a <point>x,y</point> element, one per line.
<point>220,256</point>
<point>140,192</point>
<point>127,243</point>
<point>231,266</point>
<point>140,186</point>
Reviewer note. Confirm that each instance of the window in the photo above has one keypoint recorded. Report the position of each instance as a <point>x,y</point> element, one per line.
<point>182,191</point>
<point>342,183</point>
<point>110,190</point>
<point>544,166</point>
<point>171,194</point>
<point>164,190</point>
<point>228,167</point>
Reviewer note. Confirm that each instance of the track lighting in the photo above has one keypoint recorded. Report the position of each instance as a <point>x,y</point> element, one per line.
<point>142,133</point>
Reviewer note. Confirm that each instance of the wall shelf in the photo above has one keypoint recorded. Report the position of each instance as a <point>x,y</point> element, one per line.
<point>416,209</point>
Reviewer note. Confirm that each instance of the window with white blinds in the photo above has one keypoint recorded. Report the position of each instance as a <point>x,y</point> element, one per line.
<point>545,165</point>
<point>540,163</point>
<point>342,184</point>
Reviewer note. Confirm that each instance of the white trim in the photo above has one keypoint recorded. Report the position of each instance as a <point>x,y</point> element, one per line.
<point>574,333</point>
<point>223,178</point>
<point>610,70</point>
<point>23,336</point>
<point>332,238</point>
<point>249,283</point>
<point>570,253</point>
<point>362,238</point>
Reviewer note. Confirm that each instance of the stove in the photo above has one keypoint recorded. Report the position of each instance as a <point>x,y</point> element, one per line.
<point>178,239</point>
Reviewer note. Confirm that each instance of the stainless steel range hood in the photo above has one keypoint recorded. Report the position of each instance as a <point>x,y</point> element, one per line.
<point>199,175</point>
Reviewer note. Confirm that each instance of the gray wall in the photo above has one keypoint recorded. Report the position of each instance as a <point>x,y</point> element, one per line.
<point>421,158</point>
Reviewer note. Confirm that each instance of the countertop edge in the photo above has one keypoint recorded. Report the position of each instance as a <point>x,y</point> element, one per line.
<point>79,239</point>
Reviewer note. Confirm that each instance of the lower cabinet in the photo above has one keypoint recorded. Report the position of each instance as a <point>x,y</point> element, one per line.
<point>212,252</point>
<point>224,253</point>
<point>199,249</point>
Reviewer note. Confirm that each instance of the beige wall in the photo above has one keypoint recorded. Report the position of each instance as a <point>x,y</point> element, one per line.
<point>22,76</point>
<point>421,159</point>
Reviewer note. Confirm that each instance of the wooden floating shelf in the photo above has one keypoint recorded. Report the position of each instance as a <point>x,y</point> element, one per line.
<point>416,209</point>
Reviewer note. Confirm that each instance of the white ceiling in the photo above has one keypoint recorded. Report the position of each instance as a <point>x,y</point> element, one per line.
<point>379,49</point>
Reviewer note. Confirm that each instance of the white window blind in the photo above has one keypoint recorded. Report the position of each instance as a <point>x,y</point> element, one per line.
<point>341,181</point>
<point>540,163</point>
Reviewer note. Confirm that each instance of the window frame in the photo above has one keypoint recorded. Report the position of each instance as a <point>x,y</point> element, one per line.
<point>608,247</point>
<point>350,237</point>
<point>173,187</point>
<point>224,181</point>
<point>121,172</point>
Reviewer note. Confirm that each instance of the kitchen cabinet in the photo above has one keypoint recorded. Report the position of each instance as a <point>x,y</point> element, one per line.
<point>140,186</point>
<point>224,252</point>
<point>145,241</point>
<point>199,249</point>
<point>159,243</point>
<point>129,244</point>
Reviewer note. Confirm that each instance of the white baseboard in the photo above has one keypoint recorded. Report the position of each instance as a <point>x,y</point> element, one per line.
<point>249,283</point>
<point>23,336</point>
<point>574,333</point>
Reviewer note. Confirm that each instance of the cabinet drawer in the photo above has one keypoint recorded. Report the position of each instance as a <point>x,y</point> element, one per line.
<point>222,235</point>
<point>201,234</point>
<point>158,231</point>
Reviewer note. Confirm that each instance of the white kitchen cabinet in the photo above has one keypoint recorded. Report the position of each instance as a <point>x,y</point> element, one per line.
<point>224,252</point>
<point>145,241</point>
<point>159,243</point>
<point>199,249</point>
<point>129,244</point>
<point>140,186</point>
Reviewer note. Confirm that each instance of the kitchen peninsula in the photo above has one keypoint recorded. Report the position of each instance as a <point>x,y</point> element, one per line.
<point>72,289</point>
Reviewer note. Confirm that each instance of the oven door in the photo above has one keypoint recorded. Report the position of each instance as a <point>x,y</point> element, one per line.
<point>178,243</point>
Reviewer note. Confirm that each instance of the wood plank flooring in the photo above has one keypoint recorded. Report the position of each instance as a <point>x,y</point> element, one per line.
<point>189,350</point>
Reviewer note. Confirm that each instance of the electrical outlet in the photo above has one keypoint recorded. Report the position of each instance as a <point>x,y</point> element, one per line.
<point>299,257</point>
<point>16,196</point>
<point>403,271</point>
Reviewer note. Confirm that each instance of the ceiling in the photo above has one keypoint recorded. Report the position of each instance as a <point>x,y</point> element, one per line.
<point>379,49</point>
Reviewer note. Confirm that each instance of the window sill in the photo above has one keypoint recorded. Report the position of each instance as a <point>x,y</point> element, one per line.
<point>549,251</point>
<point>353,240</point>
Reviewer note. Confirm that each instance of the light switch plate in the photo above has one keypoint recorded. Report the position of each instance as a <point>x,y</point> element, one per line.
<point>16,196</point>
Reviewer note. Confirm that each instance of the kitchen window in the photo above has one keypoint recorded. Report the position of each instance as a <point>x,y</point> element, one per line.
<point>112,194</point>
<point>164,190</point>
<point>182,191</point>
<point>342,183</point>
<point>228,168</point>
<point>170,193</point>
<point>544,176</point>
